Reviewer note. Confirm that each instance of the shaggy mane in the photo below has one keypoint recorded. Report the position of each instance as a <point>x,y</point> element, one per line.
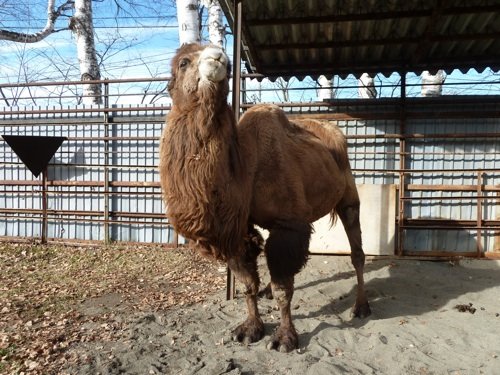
<point>202,153</point>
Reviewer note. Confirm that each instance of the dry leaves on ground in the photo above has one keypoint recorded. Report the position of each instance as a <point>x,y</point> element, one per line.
<point>53,297</point>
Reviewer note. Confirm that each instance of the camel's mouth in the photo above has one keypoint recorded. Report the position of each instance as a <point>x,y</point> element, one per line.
<point>213,64</point>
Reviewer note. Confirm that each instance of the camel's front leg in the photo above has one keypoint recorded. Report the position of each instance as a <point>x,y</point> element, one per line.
<point>245,270</point>
<point>287,251</point>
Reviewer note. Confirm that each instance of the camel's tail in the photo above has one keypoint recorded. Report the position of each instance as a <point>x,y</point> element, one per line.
<point>333,216</point>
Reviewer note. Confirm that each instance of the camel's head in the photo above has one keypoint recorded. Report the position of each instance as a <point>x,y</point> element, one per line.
<point>196,69</point>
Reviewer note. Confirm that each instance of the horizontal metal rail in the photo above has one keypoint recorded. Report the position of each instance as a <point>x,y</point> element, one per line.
<point>120,140</point>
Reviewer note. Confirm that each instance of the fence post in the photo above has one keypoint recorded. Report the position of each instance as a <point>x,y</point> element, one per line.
<point>107,238</point>
<point>479,219</point>
<point>402,167</point>
<point>44,207</point>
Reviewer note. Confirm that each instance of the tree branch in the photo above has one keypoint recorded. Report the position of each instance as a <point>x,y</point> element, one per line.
<point>52,15</point>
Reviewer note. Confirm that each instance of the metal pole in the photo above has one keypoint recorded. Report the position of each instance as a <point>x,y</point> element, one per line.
<point>176,238</point>
<point>237,59</point>
<point>402,166</point>
<point>106,163</point>
<point>230,287</point>
<point>479,239</point>
<point>44,206</point>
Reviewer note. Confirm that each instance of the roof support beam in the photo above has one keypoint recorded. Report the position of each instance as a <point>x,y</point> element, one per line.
<point>369,16</point>
<point>317,67</point>
<point>430,31</point>
<point>374,42</point>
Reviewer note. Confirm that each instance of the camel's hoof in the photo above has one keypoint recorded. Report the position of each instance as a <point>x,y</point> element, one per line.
<point>361,311</point>
<point>267,292</point>
<point>249,331</point>
<point>284,340</point>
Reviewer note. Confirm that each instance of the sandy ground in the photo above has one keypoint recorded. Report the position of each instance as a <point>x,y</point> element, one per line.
<point>415,327</point>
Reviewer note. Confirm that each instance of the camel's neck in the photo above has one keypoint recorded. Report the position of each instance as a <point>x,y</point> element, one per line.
<point>212,122</point>
<point>200,164</point>
<point>209,140</point>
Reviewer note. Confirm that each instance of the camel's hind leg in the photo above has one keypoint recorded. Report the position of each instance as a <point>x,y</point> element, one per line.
<point>348,211</point>
<point>287,251</point>
<point>245,270</point>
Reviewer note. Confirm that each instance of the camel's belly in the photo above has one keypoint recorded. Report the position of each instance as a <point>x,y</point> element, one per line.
<point>277,199</point>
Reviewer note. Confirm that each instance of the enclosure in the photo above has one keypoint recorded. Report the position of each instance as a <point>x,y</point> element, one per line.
<point>426,168</point>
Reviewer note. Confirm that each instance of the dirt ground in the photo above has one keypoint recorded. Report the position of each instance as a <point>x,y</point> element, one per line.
<point>55,298</point>
<point>427,318</point>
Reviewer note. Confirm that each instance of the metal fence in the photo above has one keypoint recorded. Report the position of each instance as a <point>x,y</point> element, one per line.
<point>102,184</point>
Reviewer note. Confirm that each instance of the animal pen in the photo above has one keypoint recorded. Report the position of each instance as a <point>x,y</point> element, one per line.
<point>427,170</point>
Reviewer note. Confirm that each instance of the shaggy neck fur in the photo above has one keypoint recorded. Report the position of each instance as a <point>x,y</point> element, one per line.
<point>200,164</point>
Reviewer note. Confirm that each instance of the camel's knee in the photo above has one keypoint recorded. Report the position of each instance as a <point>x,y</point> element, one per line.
<point>349,215</point>
<point>245,270</point>
<point>287,249</point>
<point>358,258</point>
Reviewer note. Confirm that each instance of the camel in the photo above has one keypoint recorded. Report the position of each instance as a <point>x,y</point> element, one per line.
<point>221,179</point>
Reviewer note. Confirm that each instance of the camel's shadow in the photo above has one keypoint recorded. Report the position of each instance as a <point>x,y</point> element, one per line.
<point>395,289</point>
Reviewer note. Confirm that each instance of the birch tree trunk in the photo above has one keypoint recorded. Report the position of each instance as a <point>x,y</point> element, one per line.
<point>325,91</point>
<point>82,27</point>
<point>432,84</point>
<point>216,29</point>
<point>366,87</point>
<point>188,18</point>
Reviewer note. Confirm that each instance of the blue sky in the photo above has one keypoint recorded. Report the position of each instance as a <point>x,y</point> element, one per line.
<point>143,37</point>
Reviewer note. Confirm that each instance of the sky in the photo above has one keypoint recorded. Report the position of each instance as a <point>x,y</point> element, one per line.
<point>137,38</point>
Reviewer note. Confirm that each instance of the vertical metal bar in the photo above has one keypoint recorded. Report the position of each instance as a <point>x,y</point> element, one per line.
<point>106,164</point>
<point>479,239</point>
<point>230,282</point>
<point>176,238</point>
<point>237,58</point>
<point>244,90</point>
<point>496,237</point>
<point>402,166</point>
<point>44,206</point>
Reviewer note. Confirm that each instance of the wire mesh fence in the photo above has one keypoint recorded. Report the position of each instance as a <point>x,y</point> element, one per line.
<point>102,184</point>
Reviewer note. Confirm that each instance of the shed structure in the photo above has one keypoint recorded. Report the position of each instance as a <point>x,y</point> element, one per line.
<point>428,166</point>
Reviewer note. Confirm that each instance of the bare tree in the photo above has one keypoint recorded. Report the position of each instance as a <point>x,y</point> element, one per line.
<point>325,90</point>
<point>216,28</point>
<point>366,87</point>
<point>432,84</point>
<point>188,19</point>
<point>283,89</point>
<point>82,27</point>
<point>53,14</point>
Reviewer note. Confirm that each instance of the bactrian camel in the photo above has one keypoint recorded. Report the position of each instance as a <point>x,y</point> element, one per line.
<point>221,179</point>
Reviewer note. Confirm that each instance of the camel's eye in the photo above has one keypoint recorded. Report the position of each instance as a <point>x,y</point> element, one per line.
<point>184,62</point>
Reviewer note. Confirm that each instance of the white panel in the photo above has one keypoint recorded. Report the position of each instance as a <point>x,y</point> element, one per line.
<point>378,216</point>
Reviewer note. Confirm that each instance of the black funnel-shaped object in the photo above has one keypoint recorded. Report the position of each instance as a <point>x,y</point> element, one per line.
<point>34,151</point>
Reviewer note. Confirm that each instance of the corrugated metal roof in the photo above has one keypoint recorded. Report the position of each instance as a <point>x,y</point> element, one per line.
<point>284,38</point>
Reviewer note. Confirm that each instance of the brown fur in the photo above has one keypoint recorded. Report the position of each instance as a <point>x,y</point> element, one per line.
<point>219,180</point>
<point>198,155</point>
